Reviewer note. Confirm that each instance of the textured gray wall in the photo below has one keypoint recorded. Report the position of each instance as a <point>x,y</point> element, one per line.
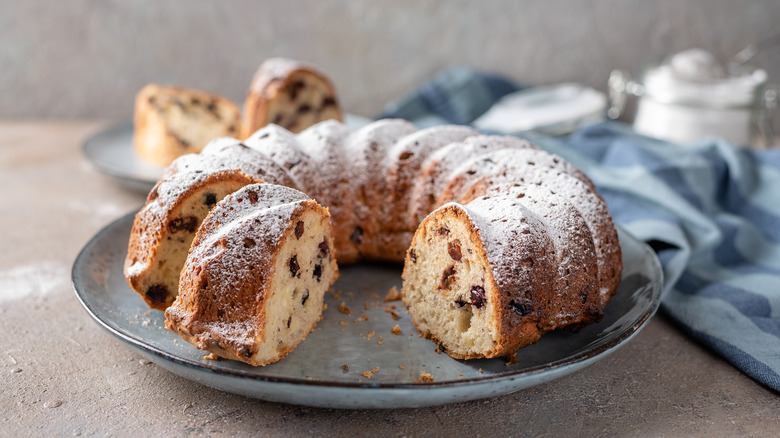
<point>88,58</point>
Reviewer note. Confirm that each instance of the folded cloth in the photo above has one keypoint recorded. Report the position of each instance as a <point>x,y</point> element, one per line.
<point>711,211</point>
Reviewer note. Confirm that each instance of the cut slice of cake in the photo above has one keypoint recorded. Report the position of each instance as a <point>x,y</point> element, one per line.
<point>253,285</point>
<point>172,121</point>
<point>290,94</point>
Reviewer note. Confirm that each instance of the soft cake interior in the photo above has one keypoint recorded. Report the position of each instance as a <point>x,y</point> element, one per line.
<point>192,119</point>
<point>445,287</point>
<point>303,271</point>
<point>305,101</point>
<point>162,283</point>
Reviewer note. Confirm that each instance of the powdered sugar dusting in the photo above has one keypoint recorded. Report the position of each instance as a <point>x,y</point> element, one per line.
<point>36,279</point>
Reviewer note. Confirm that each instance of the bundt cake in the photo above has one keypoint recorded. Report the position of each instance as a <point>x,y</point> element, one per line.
<point>507,241</point>
<point>252,287</point>
<point>291,94</point>
<point>173,121</point>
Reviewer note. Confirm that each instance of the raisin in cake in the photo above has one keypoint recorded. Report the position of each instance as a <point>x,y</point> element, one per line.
<point>253,286</point>
<point>172,121</point>
<point>290,94</point>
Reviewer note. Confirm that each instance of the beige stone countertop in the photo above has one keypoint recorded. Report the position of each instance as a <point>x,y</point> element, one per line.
<point>62,375</point>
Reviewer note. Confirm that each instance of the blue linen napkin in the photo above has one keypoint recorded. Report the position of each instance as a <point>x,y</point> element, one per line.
<point>711,211</point>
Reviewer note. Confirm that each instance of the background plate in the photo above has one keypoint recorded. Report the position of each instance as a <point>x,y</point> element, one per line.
<point>314,375</point>
<point>111,151</point>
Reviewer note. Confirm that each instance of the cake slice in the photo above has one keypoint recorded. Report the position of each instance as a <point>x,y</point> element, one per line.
<point>476,279</point>
<point>172,121</point>
<point>253,285</point>
<point>290,94</point>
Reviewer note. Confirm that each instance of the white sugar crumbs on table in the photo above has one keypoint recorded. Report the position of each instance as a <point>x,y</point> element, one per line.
<point>35,279</point>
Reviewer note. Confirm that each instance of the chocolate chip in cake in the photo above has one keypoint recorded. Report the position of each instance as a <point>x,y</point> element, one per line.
<point>478,297</point>
<point>244,351</point>
<point>289,321</point>
<point>189,224</point>
<point>211,199</point>
<point>448,278</point>
<point>232,128</point>
<point>521,309</point>
<point>443,231</point>
<point>304,298</point>
<point>460,303</point>
<point>299,229</point>
<point>252,195</point>
<point>405,155</point>
<point>317,272</point>
<point>157,293</point>
<point>328,101</point>
<point>212,107</point>
<point>248,243</point>
<point>195,101</point>
<point>453,249</point>
<point>323,249</point>
<point>357,235</point>
<point>413,255</point>
<point>277,120</point>
<point>294,267</point>
<point>305,108</point>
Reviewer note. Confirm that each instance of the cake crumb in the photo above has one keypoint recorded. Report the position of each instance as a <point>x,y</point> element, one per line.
<point>393,314</point>
<point>392,295</point>
<point>337,296</point>
<point>396,330</point>
<point>370,372</point>
<point>401,366</point>
<point>363,317</point>
<point>345,368</point>
<point>211,356</point>
<point>480,370</point>
<point>371,335</point>
<point>511,359</point>
<point>366,288</point>
<point>424,377</point>
<point>344,309</point>
<point>365,306</point>
<point>379,341</point>
<point>460,374</point>
<point>324,307</point>
<point>345,323</point>
<point>374,296</point>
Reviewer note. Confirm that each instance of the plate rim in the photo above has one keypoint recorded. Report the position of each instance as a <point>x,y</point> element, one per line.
<point>583,358</point>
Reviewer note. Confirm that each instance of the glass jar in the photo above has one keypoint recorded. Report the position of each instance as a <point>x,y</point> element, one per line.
<point>689,98</point>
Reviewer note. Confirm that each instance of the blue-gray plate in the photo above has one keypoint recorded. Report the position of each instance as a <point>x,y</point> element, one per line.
<point>327,369</point>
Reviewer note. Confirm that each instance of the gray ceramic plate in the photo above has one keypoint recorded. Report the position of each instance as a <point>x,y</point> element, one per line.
<point>314,374</point>
<point>111,151</point>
